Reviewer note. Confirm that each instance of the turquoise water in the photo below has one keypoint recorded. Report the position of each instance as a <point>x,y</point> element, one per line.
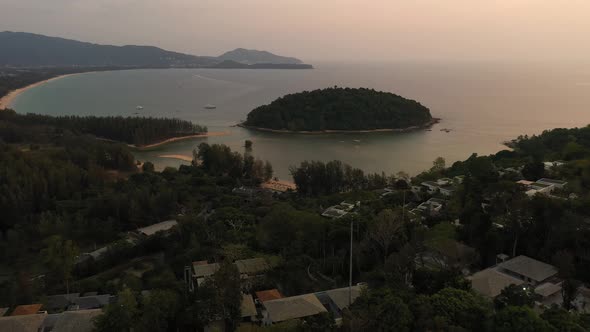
<point>482,105</point>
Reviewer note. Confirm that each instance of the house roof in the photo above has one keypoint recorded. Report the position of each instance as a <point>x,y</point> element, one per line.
<point>92,302</point>
<point>205,270</point>
<point>22,323</point>
<point>294,307</point>
<point>248,307</point>
<point>60,301</point>
<point>252,265</point>
<point>161,226</point>
<point>340,296</point>
<point>490,282</point>
<point>269,295</point>
<point>28,309</point>
<point>552,181</point>
<point>76,321</point>
<point>548,289</point>
<point>530,268</point>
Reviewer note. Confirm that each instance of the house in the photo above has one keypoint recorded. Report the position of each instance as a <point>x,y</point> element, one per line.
<point>268,295</point>
<point>248,307</point>
<point>244,191</point>
<point>279,186</point>
<point>432,206</point>
<point>490,282</point>
<point>28,309</point>
<point>59,302</point>
<point>163,226</point>
<point>3,311</point>
<point>521,270</point>
<point>445,186</point>
<point>72,321</point>
<point>559,184</point>
<point>294,307</point>
<point>95,255</point>
<point>529,270</point>
<point>431,186</point>
<point>22,323</point>
<point>447,190</point>
<point>340,210</point>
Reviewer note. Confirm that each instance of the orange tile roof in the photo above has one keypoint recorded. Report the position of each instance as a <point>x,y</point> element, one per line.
<point>200,263</point>
<point>28,309</point>
<point>268,295</point>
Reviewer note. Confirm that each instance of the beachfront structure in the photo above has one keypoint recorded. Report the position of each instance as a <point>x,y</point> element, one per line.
<point>163,226</point>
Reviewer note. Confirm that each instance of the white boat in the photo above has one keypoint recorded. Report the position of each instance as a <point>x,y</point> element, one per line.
<point>210,107</point>
<point>139,107</point>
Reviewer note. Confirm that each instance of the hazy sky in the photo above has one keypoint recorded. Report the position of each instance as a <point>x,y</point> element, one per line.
<point>367,30</point>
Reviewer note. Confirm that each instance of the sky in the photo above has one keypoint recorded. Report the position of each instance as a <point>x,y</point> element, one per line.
<point>322,30</point>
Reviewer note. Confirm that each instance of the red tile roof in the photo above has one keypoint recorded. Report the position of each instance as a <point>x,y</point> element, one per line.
<point>268,295</point>
<point>28,309</point>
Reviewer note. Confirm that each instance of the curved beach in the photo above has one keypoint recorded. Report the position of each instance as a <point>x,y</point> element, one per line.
<point>7,100</point>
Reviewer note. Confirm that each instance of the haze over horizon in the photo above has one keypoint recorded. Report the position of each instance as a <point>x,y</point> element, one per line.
<point>345,30</point>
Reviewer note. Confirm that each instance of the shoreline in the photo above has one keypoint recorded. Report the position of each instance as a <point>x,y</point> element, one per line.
<point>6,101</point>
<point>181,157</point>
<point>329,131</point>
<point>181,138</point>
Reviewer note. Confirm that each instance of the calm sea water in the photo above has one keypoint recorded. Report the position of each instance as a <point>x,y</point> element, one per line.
<point>483,105</point>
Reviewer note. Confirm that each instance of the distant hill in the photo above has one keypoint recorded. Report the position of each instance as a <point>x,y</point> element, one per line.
<point>340,109</point>
<point>21,49</point>
<point>230,64</point>
<point>251,57</point>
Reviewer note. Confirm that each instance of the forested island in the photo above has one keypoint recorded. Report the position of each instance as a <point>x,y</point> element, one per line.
<point>340,109</point>
<point>131,130</point>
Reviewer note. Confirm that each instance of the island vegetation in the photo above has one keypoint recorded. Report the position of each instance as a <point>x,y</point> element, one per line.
<point>64,193</point>
<point>340,109</point>
<point>131,130</point>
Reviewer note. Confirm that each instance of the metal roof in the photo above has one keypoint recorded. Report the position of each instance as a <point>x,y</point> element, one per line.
<point>530,268</point>
<point>22,323</point>
<point>153,229</point>
<point>294,307</point>
<point>340,296</point>
<point>76,321</point>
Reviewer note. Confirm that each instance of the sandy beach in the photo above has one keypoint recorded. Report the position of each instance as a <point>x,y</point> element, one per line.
<point>319,132</point>
<point>7,100</point>
<point>180,138</point>
<point>182,157</point>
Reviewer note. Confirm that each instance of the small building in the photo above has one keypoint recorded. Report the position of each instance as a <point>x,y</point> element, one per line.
<point>22,323</point>
<point>529,270</point>
<point>341,296</point>
<point>293,307</point>
<point>553,164</point>
<point>163,226</point>
<point>340,210</point>
<point>28,309</point>
<point>431,186</point>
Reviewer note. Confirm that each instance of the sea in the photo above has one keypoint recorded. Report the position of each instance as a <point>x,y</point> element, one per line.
<point>482,105</point>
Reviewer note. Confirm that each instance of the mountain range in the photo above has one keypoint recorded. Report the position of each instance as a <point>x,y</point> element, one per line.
<point>21,49</point>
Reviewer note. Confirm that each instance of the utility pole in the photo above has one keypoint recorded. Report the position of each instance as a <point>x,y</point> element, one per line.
<point>350,275</point>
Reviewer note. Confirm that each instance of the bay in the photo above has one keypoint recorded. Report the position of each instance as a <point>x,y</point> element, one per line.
<point>483,105</point>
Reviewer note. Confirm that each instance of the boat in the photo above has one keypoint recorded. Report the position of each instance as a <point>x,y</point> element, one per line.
<point>356,140</point>
<point>210,107</point>
<point>139,107</point>
<point>446,130</point>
